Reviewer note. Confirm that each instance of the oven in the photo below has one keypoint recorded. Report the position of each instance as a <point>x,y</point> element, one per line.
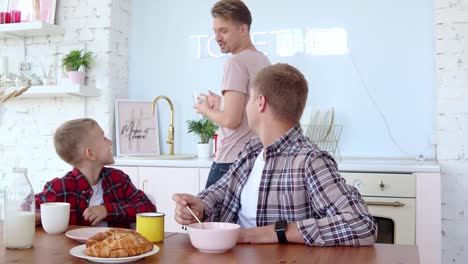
<point>391,199</point>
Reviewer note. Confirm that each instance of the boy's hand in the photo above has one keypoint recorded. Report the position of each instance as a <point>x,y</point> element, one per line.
<point>95,214</point>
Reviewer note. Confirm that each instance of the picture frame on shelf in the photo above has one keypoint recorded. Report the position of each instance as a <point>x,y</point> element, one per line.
<point>136,129</point>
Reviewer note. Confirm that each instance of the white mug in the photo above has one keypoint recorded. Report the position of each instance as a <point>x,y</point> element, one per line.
<point>55,217</point>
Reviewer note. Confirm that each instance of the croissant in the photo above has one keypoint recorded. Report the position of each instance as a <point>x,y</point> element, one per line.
<point>117,243</point>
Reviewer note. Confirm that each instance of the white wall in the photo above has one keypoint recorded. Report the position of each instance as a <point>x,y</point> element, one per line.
<point>451,55</point>
<point>27,125</point>
<point>390,48</point>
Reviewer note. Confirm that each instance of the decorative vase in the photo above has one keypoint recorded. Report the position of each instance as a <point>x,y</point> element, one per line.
<point>77,77</point>
<point>204,150</point>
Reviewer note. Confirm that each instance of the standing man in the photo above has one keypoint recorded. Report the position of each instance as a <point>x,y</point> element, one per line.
<point>231,25</point>
<point>282,187</point>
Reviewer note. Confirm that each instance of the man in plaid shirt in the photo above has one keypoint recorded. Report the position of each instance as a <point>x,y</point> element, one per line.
<point>97,195</point>
<point>282,187</point>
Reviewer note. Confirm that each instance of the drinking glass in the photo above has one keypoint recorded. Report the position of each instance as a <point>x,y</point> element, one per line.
<point>195,95</point>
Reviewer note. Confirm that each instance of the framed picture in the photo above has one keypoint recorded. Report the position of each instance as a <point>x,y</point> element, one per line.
<point>136,129</point>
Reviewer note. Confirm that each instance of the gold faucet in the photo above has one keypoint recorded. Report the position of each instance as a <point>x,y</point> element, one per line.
<point>170,136</point>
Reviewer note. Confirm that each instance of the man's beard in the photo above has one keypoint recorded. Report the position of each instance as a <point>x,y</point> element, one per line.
<point>225,50</point>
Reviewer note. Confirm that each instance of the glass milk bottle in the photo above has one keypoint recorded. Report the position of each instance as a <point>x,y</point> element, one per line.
<point>19,211</point>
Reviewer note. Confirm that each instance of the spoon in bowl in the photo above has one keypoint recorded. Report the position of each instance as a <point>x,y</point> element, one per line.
<point>195,216</point>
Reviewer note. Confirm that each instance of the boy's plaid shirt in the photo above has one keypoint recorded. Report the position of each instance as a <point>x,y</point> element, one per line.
<point>121,198</point>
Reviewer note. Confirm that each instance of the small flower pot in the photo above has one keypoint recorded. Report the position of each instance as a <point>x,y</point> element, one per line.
<point>77,77</point>
<point>204,150</point>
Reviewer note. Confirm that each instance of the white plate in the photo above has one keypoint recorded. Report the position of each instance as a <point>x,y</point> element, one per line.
<point>327,122</point>
<point>82,234</point>
<point>80,252</point>
<point>315,119</point>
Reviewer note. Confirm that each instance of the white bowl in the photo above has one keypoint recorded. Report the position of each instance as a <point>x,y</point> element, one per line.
<point>215,238</point>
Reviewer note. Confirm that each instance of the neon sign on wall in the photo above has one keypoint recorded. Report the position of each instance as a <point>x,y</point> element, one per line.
<point>284,43</point>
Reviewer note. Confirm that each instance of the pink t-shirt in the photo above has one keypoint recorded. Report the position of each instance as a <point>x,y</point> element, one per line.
<point>239,72</point>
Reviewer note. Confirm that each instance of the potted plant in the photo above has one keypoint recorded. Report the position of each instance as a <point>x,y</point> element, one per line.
<point>205,129</point>
<point>75,63</point>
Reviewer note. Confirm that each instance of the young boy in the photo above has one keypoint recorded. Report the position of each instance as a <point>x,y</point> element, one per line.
<point>98,196</point>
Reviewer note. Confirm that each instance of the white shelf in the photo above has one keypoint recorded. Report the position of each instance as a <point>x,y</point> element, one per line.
<point>29,29</point>
<point>60,91</point>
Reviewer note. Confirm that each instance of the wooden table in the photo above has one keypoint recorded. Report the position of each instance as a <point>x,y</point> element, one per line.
<point>177,248</point>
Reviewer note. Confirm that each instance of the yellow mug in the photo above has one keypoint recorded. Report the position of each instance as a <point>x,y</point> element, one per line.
<point>151,226</point>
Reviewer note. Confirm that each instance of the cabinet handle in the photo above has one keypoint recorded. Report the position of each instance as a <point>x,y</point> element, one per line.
<point>143,185</point>
<point>382,185</point>
<point>394,204</point>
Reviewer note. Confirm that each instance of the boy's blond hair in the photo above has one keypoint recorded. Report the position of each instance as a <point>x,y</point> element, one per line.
<point>70,138</point>
<point>285,89</point>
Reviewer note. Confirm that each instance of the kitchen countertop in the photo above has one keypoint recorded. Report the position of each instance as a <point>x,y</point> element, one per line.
<point>147,162</point>
<point>348,165</point>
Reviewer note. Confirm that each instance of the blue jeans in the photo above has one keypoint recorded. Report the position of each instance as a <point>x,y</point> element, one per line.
<point>217,171</point>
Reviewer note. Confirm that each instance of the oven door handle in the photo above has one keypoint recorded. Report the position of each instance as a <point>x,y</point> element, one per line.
<point>394,204</point>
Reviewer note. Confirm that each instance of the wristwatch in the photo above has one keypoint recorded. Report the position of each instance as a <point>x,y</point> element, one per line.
<point>280,229</point>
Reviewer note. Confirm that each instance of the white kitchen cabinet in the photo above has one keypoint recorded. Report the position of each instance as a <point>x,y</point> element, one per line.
<point>428,217</point>
<point>203,177</point>
<point>161,183</point>
<point>132,172</point>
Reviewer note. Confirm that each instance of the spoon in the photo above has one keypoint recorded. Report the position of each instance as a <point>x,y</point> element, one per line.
<point>195,216</point>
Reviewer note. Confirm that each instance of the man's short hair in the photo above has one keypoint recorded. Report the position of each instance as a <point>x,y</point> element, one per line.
<point>232,9</point>
<point>285,90</point>
<point>70,138</point>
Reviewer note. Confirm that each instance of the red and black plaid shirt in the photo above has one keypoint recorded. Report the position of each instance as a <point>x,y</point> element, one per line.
<point>121,198</point>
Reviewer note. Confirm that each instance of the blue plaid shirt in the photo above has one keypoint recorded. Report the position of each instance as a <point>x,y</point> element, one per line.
<point>301,184</point>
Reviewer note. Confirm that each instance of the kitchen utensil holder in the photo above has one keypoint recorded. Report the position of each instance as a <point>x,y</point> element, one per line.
<point>326,137</point>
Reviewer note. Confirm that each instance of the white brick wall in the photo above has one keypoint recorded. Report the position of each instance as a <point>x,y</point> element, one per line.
<point>27,125</point>
<point>451,33</point>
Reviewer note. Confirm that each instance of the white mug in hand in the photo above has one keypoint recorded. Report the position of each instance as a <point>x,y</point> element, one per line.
<point>55,217</point>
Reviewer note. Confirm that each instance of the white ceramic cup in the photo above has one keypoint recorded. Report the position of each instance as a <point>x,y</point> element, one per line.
<point>55,217</point>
